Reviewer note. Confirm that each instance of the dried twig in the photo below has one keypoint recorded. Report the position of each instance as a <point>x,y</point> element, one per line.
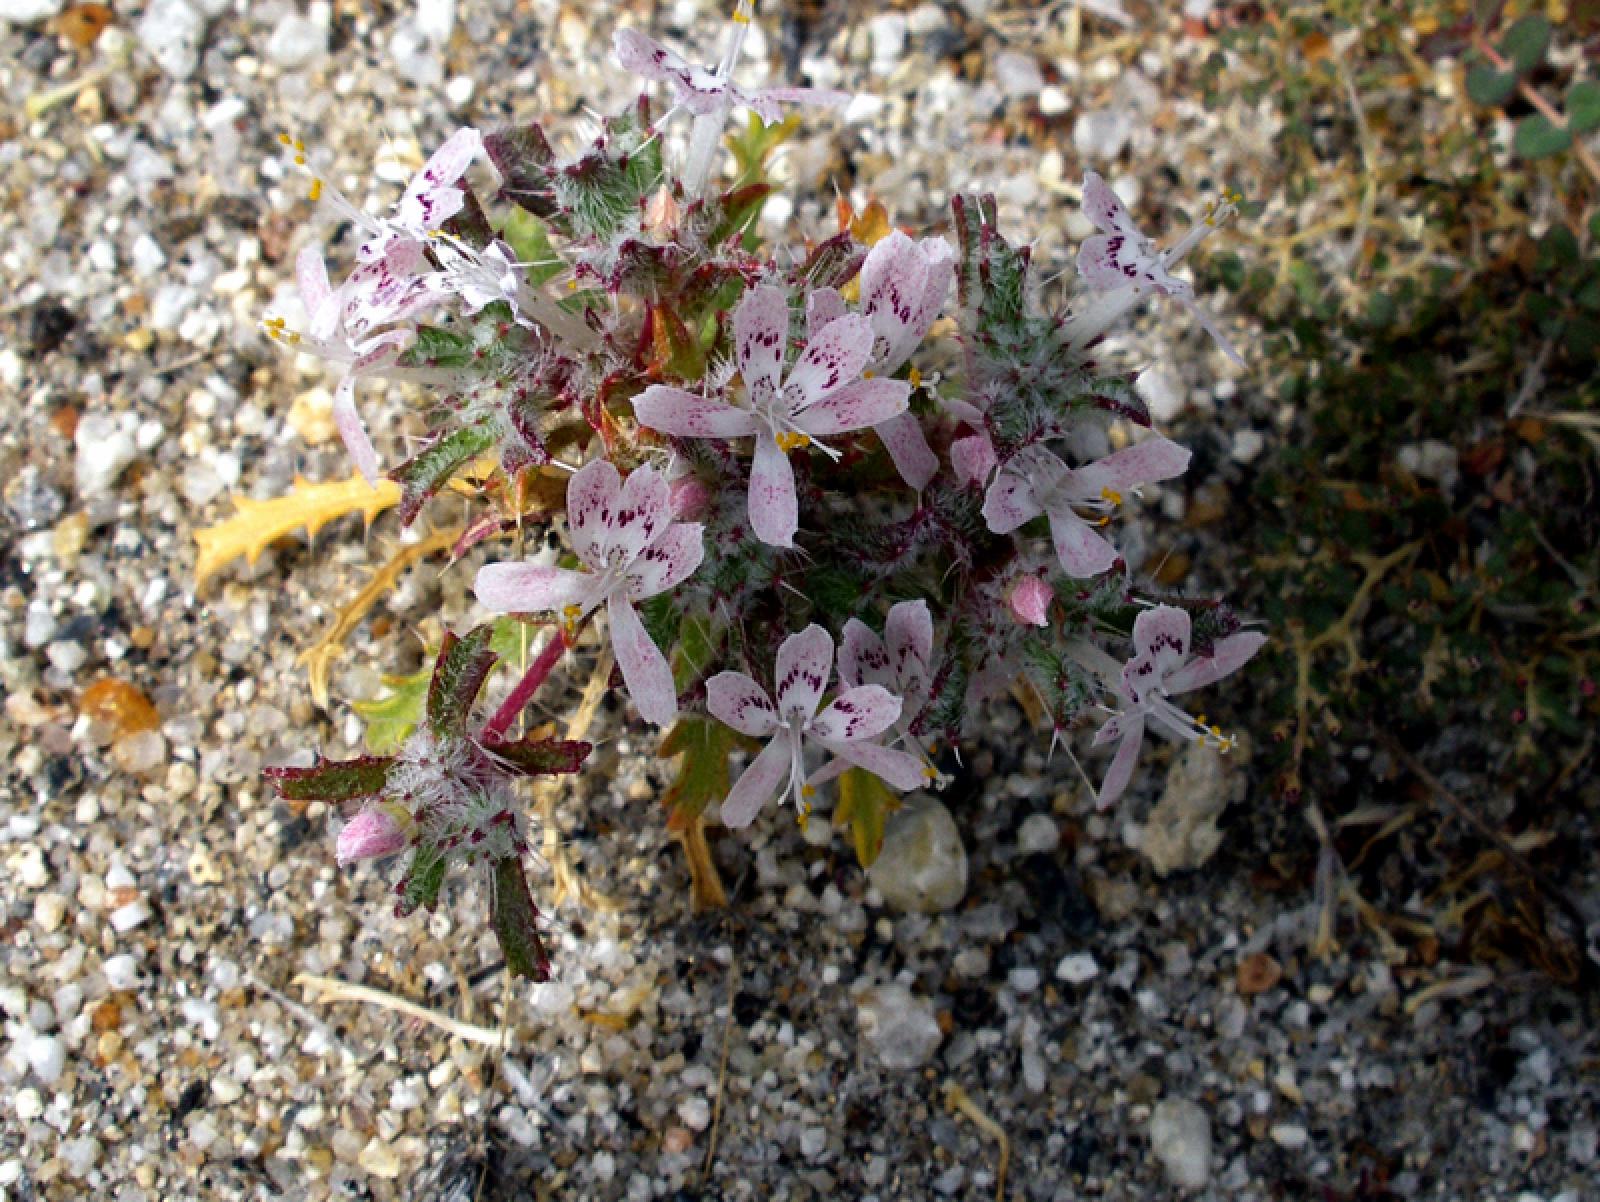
<point>318,658</point>
<point>329,989</point>
<point>957,1099</point>
<point>722,1068</point>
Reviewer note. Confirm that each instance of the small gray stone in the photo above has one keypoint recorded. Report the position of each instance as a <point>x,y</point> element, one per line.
<point>1077,968</point>
<point>1018,74</point>
<point>900,1027</point>
<point>1163,393</point>
<point>105,447</point>
<point>171,33</point>
<point>1102,134</point>
<point>1038,833</point>
<point>1181,831</point>
<point>300,40</point>
<point>1180,1138</point>
<point>923,864</point>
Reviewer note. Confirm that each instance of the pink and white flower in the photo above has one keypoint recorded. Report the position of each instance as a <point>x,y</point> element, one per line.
<point>624,534</point>
<point>1162,667</point>
<point>701,91</point>
<point>430,199</point>
<point>1124,265</point>
<point>903,289</point>
<point>1036,482</point>
<point>901,661</point>
<point>822,394</point>
<point>845,728</point>
<point>346,325</point>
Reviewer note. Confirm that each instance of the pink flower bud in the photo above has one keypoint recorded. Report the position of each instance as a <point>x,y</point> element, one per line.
<point>370,834</point>
<point>1030,601</point>
<point>973,458</point>
<point>690,499</point>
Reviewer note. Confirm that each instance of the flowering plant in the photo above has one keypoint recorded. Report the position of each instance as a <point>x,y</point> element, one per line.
<point>750,470</point>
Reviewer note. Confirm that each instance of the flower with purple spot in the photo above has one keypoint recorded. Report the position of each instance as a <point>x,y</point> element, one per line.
<point>1162,667</point>
<point>624,534</point>
<point>822,394</point>
<point>845,729</point>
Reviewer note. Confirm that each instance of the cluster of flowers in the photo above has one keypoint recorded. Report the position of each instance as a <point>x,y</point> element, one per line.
<point>690,488</point>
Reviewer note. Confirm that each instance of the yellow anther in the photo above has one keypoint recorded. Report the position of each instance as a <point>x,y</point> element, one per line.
<point>808,791</point>
<point>1111,495</point>
<point>316,189</point>
<point>1217,731</point>
<point>572,285</point>
<point>868,374</point>
<point>299,160</point>
<point>791,440</point>
<point>286,139</point>
<point>294,338</point>
<point>930,772</point>
<point>915,377</point>
<point>1199,719</point>
<point>1104,521</point>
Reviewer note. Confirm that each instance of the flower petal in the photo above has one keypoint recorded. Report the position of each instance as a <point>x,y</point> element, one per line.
<point>642,55</point>
<point>668,561</point>
<point>1162,631</point>
<point>855,407</point>
<point>831,360</point>
<point>774,508</point>
<point>821,97</point>
<point>593,496</point>
<point>908,637</point>
<point>761,335</point>
<point>973,458</point>
<point>432,197</point>
<point>759,782</point>
<point>897,769</point>
<point>528,588</point>
<point>907,445</point>
<point>894,279</point>
<point>863,659</point>
<point>643,512</point>
<point>1010,502</point>
<point>1104,207</point>
<point>316,294</point>
<point>644,669</point>
<point>351,430</point>
<point>1153,459</point>
<point>1227,657</point>
<point>685,415</point>
<point>822,306</point>
<point>733,698</point>
<point>1110,261</point>
<point>805,662</point>
<point>1123,763</point>
<point>1082,552</point>
<point>859,713</point>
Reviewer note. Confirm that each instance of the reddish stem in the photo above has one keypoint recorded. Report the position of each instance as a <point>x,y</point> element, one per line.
<point>511,708</point>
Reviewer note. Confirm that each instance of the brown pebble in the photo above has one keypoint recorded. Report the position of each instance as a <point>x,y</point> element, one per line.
<point>64,421</point>
<point>1258,973</point>
<point>82,24</point>
<point>677,1140</point>
<point>120,705</point>
<point>107,1016</point>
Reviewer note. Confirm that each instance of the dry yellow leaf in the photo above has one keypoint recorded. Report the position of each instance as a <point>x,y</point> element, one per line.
<point>258,524</point>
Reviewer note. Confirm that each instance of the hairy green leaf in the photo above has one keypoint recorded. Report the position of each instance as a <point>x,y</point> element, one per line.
<point>332,780</point>
<point>458,675</point>
<point>516,923</point>
<point>1537,137</point>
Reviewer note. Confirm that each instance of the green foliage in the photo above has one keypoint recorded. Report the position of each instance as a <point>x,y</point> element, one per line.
<point>516,923</point>
<point>702,779</point>
<point>331,781</point>
<point>391,718</point>
<point>458,676</point>
<point>425,473</point>
<point>864,806</point>
<point>1525,43</point>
